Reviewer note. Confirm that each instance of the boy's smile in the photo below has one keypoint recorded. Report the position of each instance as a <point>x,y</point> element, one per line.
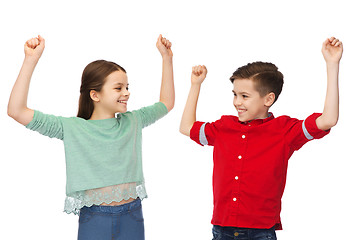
<point>248,102</point>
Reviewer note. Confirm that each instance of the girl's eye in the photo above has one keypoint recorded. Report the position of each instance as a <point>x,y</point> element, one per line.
<point>244,96</point>
<point>119,89</point>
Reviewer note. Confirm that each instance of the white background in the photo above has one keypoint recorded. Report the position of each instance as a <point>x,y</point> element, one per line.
<point>321,199</point>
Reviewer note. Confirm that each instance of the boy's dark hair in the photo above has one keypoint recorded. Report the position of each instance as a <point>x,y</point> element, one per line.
<point>266,77</point>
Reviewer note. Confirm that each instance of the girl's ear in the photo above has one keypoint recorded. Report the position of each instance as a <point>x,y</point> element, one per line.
<point>94,96</point>
<point>269,99</point>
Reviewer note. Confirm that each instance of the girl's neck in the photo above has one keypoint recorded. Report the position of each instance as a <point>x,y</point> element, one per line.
<point>97,115</point>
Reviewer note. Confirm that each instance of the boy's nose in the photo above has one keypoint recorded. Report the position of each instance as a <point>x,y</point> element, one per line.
<point>237,102</point>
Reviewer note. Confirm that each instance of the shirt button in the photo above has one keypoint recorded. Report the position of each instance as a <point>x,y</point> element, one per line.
<point>234,199</point>
<point>236,177</point>
<point>239,157</point>
<point>243,136</point>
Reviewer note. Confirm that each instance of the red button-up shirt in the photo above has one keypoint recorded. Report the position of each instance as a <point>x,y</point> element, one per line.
<point>250,165</point>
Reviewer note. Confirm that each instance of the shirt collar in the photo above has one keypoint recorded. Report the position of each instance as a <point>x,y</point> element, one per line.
<point>256,122</point>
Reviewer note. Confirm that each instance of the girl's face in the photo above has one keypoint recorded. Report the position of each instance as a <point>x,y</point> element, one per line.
<point>114,94</point>
<point>248,102</point>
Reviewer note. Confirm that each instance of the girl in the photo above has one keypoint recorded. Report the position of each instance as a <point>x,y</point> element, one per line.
<point>105,183</point>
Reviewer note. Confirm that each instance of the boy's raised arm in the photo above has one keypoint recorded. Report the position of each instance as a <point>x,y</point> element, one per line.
<point>332,50</point>
<point>189,116</point>
<point>167,91</point>
<point>17,107</point>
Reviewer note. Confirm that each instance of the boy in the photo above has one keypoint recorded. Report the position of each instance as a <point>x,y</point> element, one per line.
<point>251,151</point>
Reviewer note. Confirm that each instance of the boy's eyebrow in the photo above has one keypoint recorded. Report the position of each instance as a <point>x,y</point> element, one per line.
<point>241,92</point>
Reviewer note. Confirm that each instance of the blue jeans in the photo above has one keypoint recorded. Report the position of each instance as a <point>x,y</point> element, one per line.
<point>233,233</point>
<point>123,222</point>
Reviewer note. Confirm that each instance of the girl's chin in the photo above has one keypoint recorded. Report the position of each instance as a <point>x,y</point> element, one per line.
<point>123,110</point>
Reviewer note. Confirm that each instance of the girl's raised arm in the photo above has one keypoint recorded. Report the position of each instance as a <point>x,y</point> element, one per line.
<point>167,91</point>
<point>17,107</point>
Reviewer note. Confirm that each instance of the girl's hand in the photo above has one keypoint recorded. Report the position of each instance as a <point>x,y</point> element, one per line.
<point>198,74</point>
<point>332,50</point>
<point>34,47</point>
<point>164,46</point>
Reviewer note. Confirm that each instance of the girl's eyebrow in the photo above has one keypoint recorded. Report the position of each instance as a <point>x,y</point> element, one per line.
<point>121,84</point>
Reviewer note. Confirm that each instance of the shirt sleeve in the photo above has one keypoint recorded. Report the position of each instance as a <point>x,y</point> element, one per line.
<point>303,131</point>
<point>47,125</point>
<point>204,133</point>
<point>150,114</point>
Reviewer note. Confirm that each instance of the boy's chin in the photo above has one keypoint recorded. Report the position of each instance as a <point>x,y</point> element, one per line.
<point>245,118</point>
<point>242,119</point>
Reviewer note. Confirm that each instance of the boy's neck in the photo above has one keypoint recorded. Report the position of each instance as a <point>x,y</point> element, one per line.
<point>268,114</point>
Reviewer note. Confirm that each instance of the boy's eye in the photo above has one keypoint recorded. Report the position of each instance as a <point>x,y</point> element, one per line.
<point>244,96</point>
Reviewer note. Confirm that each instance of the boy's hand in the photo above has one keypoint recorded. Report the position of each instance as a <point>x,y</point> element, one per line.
<point>164,46</point>
<point>198,74</point>
<point>332,50</point>
<point>34,47</point>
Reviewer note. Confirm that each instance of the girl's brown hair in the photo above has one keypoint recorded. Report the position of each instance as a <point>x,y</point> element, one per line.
<point>93,78</point>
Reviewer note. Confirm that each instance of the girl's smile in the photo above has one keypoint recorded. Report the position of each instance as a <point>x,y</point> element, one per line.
<point>113,96</point>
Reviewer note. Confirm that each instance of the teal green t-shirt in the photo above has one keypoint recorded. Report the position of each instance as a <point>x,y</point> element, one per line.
<point>100,153</point>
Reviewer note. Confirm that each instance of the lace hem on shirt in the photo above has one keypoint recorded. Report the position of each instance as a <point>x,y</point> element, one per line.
<point>74,202</point>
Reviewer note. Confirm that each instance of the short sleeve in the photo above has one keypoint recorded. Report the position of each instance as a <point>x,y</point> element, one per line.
<point>47,125</point>
<point>302,131</point>
<point>150,114</point>
<point>205,133</point>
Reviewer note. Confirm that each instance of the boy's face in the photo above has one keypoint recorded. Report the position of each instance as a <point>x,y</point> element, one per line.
<point>248,102</point>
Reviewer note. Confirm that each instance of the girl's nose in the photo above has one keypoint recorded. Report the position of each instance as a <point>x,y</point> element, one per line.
<point>126,93</point>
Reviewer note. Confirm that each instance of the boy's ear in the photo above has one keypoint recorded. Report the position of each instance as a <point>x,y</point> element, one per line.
<point>94,96</point>
<point>269,99</point>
